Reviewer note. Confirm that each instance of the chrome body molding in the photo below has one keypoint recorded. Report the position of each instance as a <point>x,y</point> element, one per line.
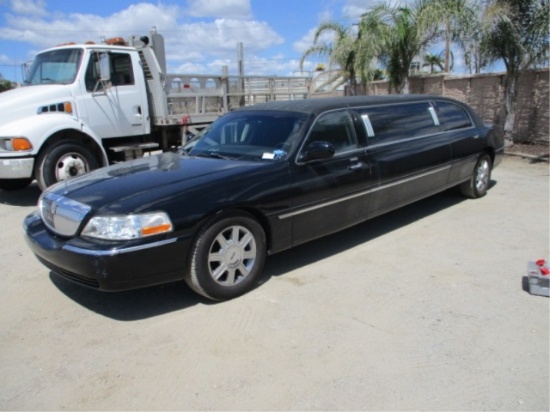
<point>115,252</point>
<point>363,193</point>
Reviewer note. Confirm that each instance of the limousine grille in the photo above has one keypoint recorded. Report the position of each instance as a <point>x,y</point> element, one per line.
<point>61,214</point>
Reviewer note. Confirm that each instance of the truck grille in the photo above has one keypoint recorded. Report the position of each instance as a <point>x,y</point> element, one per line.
<point>61,214</point>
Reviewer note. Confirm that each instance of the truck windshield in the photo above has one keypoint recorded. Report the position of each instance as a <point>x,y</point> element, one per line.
<point>55,67</point>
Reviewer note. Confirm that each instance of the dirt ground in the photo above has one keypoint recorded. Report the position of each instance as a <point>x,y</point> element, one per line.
<point>423,308</point>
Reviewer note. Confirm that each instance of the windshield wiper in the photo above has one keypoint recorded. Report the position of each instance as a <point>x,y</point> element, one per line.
<point>214,155</point>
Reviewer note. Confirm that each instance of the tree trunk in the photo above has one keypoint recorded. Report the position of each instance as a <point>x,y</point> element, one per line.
<point>404,89</point>
<point>447,47</point>
<point>510,98</point>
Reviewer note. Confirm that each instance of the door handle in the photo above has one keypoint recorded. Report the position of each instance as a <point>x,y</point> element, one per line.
<point>356,167</point>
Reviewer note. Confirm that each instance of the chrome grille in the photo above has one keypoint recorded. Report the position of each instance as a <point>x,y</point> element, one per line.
<point>61,214</point>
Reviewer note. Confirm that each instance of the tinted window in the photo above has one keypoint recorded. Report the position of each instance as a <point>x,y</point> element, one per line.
<point>121,70</point>
<point>335,128</point>
<point>250,134</point>
<point>452,116</point>
<point>390,123</point>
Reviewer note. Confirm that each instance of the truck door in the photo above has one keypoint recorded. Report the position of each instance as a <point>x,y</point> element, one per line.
<point>117,107</point>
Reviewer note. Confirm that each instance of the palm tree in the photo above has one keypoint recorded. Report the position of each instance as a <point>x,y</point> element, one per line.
<point>341,53</point>
<point>454,17</point>
<point>402,33</point>
<point>516,32</point>
<point>433,60</point>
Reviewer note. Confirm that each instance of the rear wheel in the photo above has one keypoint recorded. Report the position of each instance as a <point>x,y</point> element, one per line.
<point>227,257</point>
<point>63,161</point>
<point>14,184</point>
<point>479,182</point>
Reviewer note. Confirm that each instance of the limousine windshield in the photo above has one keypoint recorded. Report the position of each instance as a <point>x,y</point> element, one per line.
<point>249,135</point>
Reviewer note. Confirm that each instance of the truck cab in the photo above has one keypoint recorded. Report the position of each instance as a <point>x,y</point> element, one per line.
<point>76,97</point>
<point>86,106</point>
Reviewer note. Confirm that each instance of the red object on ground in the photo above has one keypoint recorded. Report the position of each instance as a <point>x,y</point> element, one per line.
<point>541,263</point>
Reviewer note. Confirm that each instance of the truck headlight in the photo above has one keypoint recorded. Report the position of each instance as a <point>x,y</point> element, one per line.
<point>128,227</point>
<point>15,144</point>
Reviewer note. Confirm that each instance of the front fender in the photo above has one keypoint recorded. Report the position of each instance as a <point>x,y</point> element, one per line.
<point>38,129</point>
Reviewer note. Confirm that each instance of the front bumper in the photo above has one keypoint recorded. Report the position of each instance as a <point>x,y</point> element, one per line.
<point>16,168</point>
<point>108,266</point>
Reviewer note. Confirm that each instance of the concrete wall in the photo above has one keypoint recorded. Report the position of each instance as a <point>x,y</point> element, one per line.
<point>485,93</point>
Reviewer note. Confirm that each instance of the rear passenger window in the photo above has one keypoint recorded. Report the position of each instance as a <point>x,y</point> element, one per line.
<point>451,116</point>
<point>391,123</point>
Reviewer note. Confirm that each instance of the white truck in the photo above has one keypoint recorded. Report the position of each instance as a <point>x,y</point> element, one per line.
<point>85,106</point>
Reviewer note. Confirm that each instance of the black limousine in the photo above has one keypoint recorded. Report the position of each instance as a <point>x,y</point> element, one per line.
<point>259,180</point>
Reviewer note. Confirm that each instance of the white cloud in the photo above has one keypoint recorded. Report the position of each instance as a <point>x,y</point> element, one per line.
<point>234,9</point>
<point>190,44</point>
<point>31,7</point>
<point>353,9</point>
<point>77,27</point>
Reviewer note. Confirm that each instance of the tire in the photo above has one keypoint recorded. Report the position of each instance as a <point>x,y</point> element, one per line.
<point>227,257</point>
<point>479,182</point>
<point>15,184</point>
<point>63,161</point>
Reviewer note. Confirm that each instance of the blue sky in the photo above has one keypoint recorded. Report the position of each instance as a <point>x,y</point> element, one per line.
<point>201,35</point>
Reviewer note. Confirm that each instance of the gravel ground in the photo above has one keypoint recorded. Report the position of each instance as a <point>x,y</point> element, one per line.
<point>420,309</point>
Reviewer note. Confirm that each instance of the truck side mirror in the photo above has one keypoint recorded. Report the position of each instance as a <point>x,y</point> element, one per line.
<point>104,67</point>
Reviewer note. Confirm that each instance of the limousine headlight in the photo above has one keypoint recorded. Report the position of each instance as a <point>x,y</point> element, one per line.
<point>128,227</point>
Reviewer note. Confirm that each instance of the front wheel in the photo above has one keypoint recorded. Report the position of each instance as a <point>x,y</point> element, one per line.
<point>479,182</point>
<point>63,161</point>
<point>227,257</point>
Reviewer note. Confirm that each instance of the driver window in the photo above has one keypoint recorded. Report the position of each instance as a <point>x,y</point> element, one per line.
<point>92,74</point>
<point>121,71</point>
<point>335,128</point>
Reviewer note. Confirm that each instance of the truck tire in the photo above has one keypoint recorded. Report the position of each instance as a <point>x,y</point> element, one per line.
<point>15,184</point>
<point>63,161</point>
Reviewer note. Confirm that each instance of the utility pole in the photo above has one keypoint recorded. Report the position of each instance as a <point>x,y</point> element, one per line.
<point>240,60</point>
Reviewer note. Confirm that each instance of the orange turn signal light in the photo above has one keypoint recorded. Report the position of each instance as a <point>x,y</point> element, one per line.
<point>20,144</point>
<point>153,230</point>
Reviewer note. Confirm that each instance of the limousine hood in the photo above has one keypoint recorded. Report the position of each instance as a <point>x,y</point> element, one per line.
<point>148,183</point>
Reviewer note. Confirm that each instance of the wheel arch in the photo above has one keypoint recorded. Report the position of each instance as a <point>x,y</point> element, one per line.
<point>250,211</point>
<point>68,135</point>
<point>491,152</point>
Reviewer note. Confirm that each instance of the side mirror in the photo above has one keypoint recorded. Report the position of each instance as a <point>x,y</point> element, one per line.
<point>104,67</point>
<point>316,150</point>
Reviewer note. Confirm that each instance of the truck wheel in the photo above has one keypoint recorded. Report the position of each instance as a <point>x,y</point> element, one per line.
<point>227,257</point>
<point>63,161</point>
<point>479,182</point>
<point>15,184</point>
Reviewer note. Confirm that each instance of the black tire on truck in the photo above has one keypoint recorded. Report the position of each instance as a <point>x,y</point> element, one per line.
<point>63,160</point>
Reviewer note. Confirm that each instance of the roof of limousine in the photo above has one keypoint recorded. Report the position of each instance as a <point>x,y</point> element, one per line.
<point>319,105</point>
